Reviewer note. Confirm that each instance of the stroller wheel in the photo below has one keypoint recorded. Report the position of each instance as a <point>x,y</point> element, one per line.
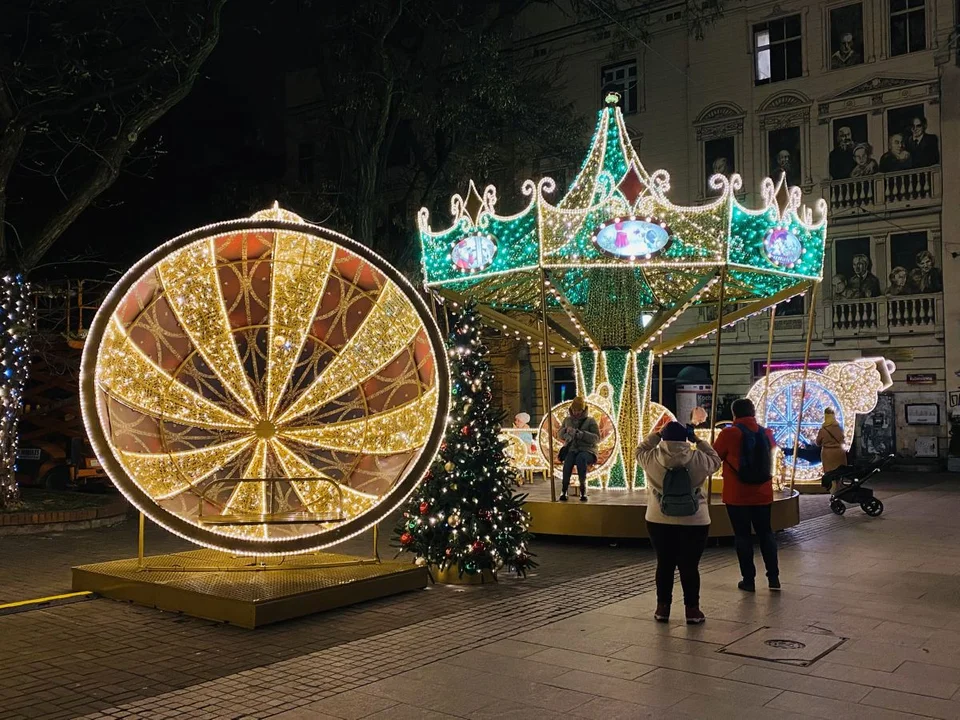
<point>838,507</point>
<point>872,507</point>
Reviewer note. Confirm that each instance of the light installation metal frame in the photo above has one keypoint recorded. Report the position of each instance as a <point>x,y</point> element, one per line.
<point>366,520</point>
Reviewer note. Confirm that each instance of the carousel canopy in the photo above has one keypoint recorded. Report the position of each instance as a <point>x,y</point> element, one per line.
<point>617,256</point>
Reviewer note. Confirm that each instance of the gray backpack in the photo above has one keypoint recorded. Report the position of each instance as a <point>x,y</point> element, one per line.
<point>678,498</point>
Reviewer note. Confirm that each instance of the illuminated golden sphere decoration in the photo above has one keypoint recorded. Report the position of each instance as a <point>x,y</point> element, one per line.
<point>264,386</point>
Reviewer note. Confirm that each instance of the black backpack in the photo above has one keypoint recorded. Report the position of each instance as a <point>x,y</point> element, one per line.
<point>756,458</point>
<point>678,498</point>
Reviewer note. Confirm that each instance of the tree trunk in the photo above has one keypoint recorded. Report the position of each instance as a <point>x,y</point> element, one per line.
<point>16,331</point>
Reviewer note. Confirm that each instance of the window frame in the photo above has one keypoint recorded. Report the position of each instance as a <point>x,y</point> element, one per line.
<point>629,97</point>
<point>757,50</point>
<point>923,10</point>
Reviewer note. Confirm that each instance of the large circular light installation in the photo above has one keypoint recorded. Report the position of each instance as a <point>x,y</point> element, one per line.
<point>631,237</point>
<point>264,386</point>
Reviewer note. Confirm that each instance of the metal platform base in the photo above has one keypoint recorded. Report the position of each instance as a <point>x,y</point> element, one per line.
<point>620,513</point>
<point>243,591</point>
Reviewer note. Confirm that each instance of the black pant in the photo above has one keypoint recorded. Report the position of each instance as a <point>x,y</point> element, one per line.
<point>581,459</point>
<point>742,517</point>
<point>678,546</point>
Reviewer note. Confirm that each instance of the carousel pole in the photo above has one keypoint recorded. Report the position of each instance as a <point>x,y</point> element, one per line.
<point>766,378</point>
<point>660,380</point>
<point>545,385</point>
<point>803,383</point>
<point>716,372</point>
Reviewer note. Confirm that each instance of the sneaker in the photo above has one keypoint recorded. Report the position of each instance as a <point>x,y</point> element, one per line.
<point>662,613</point>
<point>583,498</point>
<point>774,584</point>
<point>694,616</point>
<point>563,497</point>
<point>747,586</point>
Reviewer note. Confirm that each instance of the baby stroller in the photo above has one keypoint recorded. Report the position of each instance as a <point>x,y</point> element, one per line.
<point>850,487</point>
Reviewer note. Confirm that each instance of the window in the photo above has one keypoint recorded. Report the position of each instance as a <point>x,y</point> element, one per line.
<point>305,157</point>
<point>621,78</point>
<point>908,31</point>
<point>564,384</point>
<point>778,48</point>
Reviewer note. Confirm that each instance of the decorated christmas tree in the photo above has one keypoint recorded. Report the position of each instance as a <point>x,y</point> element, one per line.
<point>465,514</point>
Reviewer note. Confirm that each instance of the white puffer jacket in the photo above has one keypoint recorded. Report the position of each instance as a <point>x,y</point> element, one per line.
<point>656,456</point>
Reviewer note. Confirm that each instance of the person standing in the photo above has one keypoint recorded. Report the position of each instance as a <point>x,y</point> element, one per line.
<point>746,450</point>
<point>678,517</point>
<point>581,437</point>
<point>830,441</point>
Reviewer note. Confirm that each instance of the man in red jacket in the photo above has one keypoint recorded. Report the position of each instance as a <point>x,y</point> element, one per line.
<point>748,504</point>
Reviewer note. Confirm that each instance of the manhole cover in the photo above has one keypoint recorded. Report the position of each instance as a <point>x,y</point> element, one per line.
<point>788,647</point>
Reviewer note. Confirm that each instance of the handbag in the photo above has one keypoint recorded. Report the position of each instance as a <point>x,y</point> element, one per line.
<point>562,455</point>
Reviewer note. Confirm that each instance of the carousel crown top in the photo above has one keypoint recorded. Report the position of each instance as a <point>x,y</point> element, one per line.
<point>617,256</point>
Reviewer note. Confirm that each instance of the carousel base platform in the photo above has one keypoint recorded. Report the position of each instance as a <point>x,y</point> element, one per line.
<point>620,513</point>
<point>246,591</point>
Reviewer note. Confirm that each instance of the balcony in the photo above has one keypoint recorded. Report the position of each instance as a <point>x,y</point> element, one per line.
<point>882,317</point>
<point>886,192</point>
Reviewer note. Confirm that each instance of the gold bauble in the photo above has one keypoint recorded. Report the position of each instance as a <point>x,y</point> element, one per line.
<point>453,520</point>
<point>449,467</point>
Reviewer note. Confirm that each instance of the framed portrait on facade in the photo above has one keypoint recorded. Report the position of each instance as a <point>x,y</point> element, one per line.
<point>853,275</point>
<point>852,154</point>
<point>783,147</point>
<point>875,431</point>
<point>911,142</point>
<point>913,268</point>
<point>846,36</point>
<point>718,159</point>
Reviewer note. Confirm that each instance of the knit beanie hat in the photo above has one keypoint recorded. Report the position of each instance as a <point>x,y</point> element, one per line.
<point>673,431</point>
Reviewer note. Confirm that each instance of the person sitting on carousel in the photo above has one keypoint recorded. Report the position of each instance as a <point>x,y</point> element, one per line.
<point>521,421</point>
<point>830,441</point>
<point>581,437</point>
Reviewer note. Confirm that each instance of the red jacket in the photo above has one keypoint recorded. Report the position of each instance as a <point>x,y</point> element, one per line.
<point>727,446</point>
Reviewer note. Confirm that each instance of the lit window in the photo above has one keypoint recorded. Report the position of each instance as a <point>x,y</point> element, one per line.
<point>778,48</point>
<point>622,79</point>
<point>908,31</point>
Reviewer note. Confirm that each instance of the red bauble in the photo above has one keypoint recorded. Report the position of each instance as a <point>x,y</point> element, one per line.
<point>424,507</point>
<point>465,430</point>
<point>478,546</point>
<point>449,552</point>
<point>406,539</point>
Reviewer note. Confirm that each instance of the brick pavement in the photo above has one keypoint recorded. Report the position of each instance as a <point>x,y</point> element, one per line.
<point>120,660</point>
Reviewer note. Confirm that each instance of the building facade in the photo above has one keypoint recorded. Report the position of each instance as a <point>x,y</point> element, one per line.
<point>852,101</point>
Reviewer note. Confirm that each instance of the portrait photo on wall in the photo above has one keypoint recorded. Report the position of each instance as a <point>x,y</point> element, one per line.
<point>783,145</point>
<point>846,36</point>
<point>718,157</point>
<point>910,142</point>
<point>852,154</point>
<point>913,269</point>
<point>853,276</point>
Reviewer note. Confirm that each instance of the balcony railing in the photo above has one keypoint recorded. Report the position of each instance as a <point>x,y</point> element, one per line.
<point>882,317</point>
<point>884,192</point>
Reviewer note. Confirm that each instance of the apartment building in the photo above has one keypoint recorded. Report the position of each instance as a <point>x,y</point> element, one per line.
<point>857,103</point>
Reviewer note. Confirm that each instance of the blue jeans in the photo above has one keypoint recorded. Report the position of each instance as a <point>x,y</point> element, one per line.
<point>580,459</point>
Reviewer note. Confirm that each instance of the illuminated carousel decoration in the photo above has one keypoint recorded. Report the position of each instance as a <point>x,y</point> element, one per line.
<point>599,407</point>
<point>264,386</point>
<point>850,388</point>
<point>612,265</point>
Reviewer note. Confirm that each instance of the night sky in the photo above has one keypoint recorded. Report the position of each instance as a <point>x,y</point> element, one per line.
<point>227,132</point>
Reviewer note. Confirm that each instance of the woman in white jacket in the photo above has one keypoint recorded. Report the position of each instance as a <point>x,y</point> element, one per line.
<point>679,540</point>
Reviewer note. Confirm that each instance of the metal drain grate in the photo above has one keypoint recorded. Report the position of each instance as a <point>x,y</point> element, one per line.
<point>787,647</point>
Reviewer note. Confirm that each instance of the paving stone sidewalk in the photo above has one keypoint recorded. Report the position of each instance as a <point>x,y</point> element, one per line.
<point>576,640</point>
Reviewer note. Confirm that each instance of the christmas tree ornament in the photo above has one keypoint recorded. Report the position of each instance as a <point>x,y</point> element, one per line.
<point>406,538</point>
<point>449,466</point>
<point>424,507</point>
<point>453,520</point>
